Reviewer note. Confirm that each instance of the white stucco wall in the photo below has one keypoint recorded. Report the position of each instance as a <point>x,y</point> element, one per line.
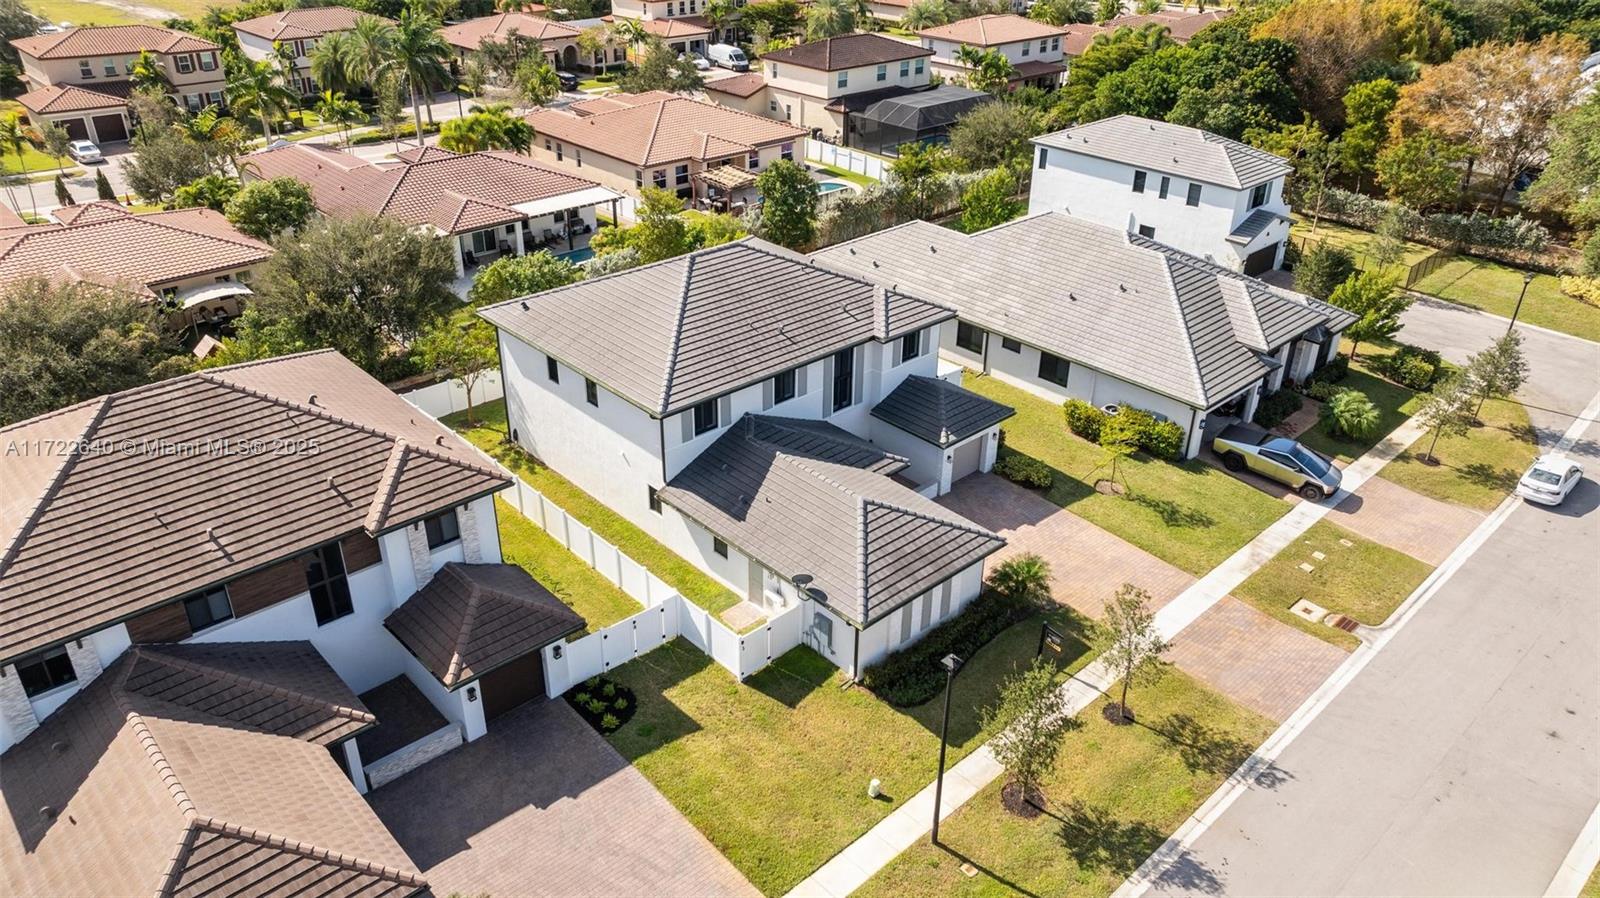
<point>887,635</point>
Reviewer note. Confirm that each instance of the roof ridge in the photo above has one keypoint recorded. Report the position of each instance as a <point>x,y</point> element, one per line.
<point>469,618</point>
<point>68,462</point>
<point>148,741</point>
<point>1188,332</point>
<point>923,516</point>
<point>655,129</point>
<point>152,220</point>
<point>306,849</point>
<point>677,327</point>
<point>383,497</point>
<point>192,666</point>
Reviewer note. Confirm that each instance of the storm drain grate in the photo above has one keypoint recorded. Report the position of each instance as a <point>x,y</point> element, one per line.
<point>1347,624</point>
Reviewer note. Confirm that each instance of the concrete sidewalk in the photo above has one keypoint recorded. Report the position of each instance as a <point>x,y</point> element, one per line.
<point>849,869</point>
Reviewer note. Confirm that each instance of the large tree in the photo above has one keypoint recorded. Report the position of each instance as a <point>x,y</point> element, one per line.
<point>418,52</point>
<point>256,87</point>
<point>1570,183</point>
<point>164,162</point>
<point>62,343</point>
<point>1109,52</point>
<point>509,277</point>
<point>1419,170</point>
<point>490,127</point>
<point>1366,118</point>
<point>789,205</point>
<point>661,68</point>
<point>1377,305</point>
<point>993,134</point>
<point>268,209</point>
<point>364,285</point>
<point>991,200</point>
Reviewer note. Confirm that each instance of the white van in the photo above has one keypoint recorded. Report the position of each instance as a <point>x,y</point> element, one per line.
<point>729,57</point>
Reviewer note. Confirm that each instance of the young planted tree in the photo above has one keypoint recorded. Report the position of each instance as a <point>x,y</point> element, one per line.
<point>789,205</point>
<point>1322,268</point>
<point>336,109</point>
<point>1119,439</point>
<point>56,142</point>
<point>1377,305</point>
<point>463,346</point>
<point>1497,372</point>
<point>1447,411</point>
<point>1134,645</point>
<point>1029,721</point>
<point>63,196</point>
<point>1388,246</point>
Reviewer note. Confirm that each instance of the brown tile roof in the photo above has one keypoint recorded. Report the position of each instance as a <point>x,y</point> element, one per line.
<point>143,510</point>
<point>104,243</point>
<point>302,22</point>
<point>992,30</point>
<point>747,85</point>
<point>847,51</point>
<point>469,35</point>
<point>472,618</point>
<point>121,793</point>
<point>1033,68</point>
<point>664,131</point>
<point>59,98</point>
<point>452,192</point>
<point>682,26</point>
<point>110,40</point>
<point>1078,37</point>
<point>1182,24</point>
<point>10,219</point>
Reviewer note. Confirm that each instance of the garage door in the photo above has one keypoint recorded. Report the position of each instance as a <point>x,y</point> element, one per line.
<point>109,128</point>
<point>76,128</point>
<point>1261,260</point>
<point>968,456</point>
<point>510,685</point>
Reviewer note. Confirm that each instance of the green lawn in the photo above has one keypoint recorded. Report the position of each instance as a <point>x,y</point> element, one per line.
<point>1591,889</point>
<point>1190,514</point>
<point>80,12</point>
<point>676,571</point>
<point>1478,469</point>
<point>1395,405</point>
<point>1115,795</point>
<point>1494,287</point>
<point>1357,241</point>
<point>1363,580</point>
<point>775,772</point>
<point>523,544</point>
<point>37,163</point>
<point>846,175</point>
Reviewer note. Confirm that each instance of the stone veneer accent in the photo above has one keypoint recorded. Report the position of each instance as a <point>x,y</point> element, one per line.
<point>85,661</point>
<point>14,705</point>
<point>413,756</point>
<point>471,545</point>
<point>421,560</point>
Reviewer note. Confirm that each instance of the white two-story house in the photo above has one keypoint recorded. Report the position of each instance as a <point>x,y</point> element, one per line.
<point>779,425</point>
<point>1033,48</point>
<point>1207,195</point>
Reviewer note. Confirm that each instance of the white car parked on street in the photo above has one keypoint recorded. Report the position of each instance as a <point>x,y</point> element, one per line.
<point>1550,479</point>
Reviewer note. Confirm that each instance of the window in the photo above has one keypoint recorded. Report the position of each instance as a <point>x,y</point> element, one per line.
<point>1044,156</point>
<point>577,156</point>
<point>844,79</point>
<point>883,73</point>
<point>483,241</point>
<point>1194,196</point>
<point>772,70</point>
<point>844,378</point>
<point>207,609</point>
<point>969,338</point>
<point>1138,181</point>
<point>719,547</point>
<point>552,369</point>
<point>442,529</point>
<point>547,147</point>
<point>560,150</point>
<point>208,62</point>
<point>1055,43</point>
<point>783,387</point>
<point>110,65</point>
<point>772,105</point>
<point>45,671</point>
<point>638,177</point>
<point>786,151</point>
<point>1026,48</point>
<point>680,175</point>
<point>1043,45</point>
<point>1258,195</point>
<point>185,63</point>
<point>659,176</point>
<point>653,498</point>
<point>591,392</point>
<point>1166,183</point>
<point>330,591</point>
<point>705,417</point>
<point>905,68</point>
<point>1010,345</point>
<point>1147,231</point>
<point>910,346</point>
<point>753,161</point>
<point>1053,369</point>
<point>919,66</point>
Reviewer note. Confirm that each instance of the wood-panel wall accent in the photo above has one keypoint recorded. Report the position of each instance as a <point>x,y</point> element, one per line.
<point>267,587</point>
<point>360,551</point>
<point>169,623</point>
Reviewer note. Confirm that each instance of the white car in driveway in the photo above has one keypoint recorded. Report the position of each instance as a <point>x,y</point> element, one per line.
<point>1550,479</point>
<point>84,151</point>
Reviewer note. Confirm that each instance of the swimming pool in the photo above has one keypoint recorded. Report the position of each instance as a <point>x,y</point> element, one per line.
<point>831,186</point>
<point>578,256</point>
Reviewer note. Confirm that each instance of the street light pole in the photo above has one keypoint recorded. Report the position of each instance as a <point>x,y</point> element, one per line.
<point>1527,278</point>
<point>951,664</point>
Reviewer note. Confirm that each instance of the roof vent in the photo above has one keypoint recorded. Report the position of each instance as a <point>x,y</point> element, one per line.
<point>852,250</point>
<point>438,440</point>
<point>48,812</point>
<point>1123,287</point>
<point>932,248</point>
<point>874,263</point>
<point>524,305</point>
<point>1072,296</point>
<point>60,746</point>
<point>312,399</point>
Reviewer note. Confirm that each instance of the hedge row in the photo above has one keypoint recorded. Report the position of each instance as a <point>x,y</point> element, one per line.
<point>913,675</point>
<point>1160,439</point>
<point>1475,231</point>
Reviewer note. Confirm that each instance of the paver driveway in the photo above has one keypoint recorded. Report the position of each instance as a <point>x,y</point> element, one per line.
<point>543,806</point>
<point>1425,528</point>
<point>1253,659</point>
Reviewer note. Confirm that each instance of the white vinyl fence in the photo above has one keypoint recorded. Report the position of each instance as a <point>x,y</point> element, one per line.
<point>449,396</point>
<point>846,158</point>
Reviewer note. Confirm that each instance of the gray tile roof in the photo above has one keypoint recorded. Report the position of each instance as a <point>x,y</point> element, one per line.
<point>669,335</point>
<point>870,544</point>
<point>1130,307</point>
<point>939,412</point>
<point>1173,149</point>
<point>1253,225</point>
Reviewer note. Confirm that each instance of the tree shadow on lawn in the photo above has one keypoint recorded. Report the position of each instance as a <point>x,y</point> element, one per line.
<point>659,720</point>
<point>1205,748</point>
<point>987,871</point>
<point>1499,479</point>
<point>1098,841</point>
<point>1171,513</point>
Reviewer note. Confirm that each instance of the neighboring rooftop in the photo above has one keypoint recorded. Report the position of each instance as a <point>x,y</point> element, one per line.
<point>1130,307</point>
<point>671,334</point>
<point>473,618</point>
<point>939,412</point>
<point>1181,24</point>
<point>194,505</point>
<point>847,51</point>
<point>803,500</point>
<point>1170,149</point>
<point>455,193</point>
<point>106,244</point>
<point>302,22</point>
<point>190,769</point>
<point>659,129</point>
<point>55,99</point>
<point>1077,37</point>
<point>111,40</point>
<point>992,30</point>
<point>745,85</point>
<point>471,34</point>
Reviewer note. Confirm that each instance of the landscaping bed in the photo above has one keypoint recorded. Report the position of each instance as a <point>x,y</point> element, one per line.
<point>912,675</point>
<point>603,703</point>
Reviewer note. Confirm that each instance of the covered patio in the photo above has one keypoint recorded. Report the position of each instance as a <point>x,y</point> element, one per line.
<point>561,225</point>
<point>726,188</point>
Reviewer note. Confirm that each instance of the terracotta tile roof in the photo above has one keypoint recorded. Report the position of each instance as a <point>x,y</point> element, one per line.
<point>302,22</point>
<point>472,618</point>
<point>682,26</point>
<point>747,85</point>
<point>125,793</point>
<point>1182,24</point>
<point>992,30</point>
<point>452,192</point>
<point>848,51</point>
<point>664,131</point>
<point>59,98</point>
<point>10,219</point>
<point>110,40</point>
<point>1033,68</point>
<point>143,510</point>
<point>1078,38</point>
<point>104,243</point>
<point>469,35</point>
<point>619,100</point>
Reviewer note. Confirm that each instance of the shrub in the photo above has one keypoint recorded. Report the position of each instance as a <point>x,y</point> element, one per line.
<point>608,690</point>
<point>609,722</point>
<point>1322,268</point>
<point>912,675</point>
<point>1414,372</point>
<point>1027,471</point>
<point>1025,578</point>
<point>1583,289</point>
<point>1277,406</point>
<point>1084,419</point>
<point>1322,390</point>
<point>1350,414</point>
<point>1412,367</point>
<point>1333,372</point>
<point>1163,439</point>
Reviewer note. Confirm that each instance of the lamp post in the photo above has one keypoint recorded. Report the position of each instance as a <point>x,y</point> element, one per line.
<point>1527,278</point>
<point>951,664</point>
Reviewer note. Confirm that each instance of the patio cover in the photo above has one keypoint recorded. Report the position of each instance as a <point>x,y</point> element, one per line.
<point>727,177</point>
<point>189,297</point>
<point>589,196</point>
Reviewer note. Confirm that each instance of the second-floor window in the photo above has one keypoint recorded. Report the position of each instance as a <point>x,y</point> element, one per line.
<point>680,175</point>
<point>659,178</point>
<point>1044,156</point>
<point>185,64</point>
<point>969,337</point>
<point>326,581</point>
<point>110,67</point>
<point>1055,43</point>
<point>1043,46</point>
<point>783,387</point>
<point>705,417</point>
<point>883,73</point>
<point>207,609</point>
<point>905,68</point>
<point>45,671</point>
<point>208,62</point>
<point>786,151</point>
<point>844,378</point>
<point>844,79</point>
<point>84,69</point>
<point>1026,48</point>
<point>910,346</point>
<point>442,529</point>
<point>1259,194</point>
<point>1193,199</point>
<point>919,66</point>
<point>1138,181</point>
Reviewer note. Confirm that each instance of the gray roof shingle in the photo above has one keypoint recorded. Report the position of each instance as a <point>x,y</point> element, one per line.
<point>1253,225</point>
<point>669,335</point>
<point>1122,304</point>
<point>939,412</point>
<point>870,544</point>
<point>1174,149</point>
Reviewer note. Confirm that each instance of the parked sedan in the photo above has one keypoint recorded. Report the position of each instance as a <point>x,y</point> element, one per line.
<point>1550,479</point>
<point>84,151</point>
<point>569,80</point>
<point>1308,473</point>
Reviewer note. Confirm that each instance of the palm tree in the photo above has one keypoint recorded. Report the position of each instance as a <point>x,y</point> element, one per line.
<point>719,13</point>
<point>629,32</point>
<point>419,53</point>
<point>370,43</point>
<point>331,61</point>
<point>219,135</point>
<point>147,73</point>
<point>926,14</point>
<point>12,135</point>
<point>830,18</point>
<point>536,81</point>
<point>256,87</point>
<point>334,108</point>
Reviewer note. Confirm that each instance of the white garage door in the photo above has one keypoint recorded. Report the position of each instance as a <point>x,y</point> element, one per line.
<point>968,456</point>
